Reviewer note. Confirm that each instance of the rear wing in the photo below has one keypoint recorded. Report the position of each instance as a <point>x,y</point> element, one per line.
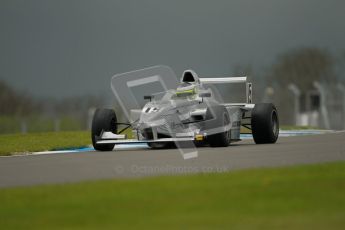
<point>232,80</point>
<point>219,80</point>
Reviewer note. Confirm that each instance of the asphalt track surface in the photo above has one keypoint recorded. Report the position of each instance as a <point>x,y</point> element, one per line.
<point>85,166</point>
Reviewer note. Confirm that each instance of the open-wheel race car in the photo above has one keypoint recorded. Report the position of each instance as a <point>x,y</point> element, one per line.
<point>189,113</point>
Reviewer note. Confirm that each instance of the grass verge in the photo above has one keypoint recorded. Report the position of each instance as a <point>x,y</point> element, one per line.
<point>33,142</point>
<point>303,197</point>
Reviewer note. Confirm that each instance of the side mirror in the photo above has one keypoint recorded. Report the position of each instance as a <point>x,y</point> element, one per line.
<point>208,94</point>
<point>148,97</point>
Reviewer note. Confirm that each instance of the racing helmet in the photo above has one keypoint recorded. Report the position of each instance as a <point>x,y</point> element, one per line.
<point>189,84</point>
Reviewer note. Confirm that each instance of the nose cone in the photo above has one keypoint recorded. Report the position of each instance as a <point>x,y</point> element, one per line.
<point>151,112</point>
<point>155,114</point>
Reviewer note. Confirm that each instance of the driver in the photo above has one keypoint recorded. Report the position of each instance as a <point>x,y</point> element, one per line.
<point>189,84</point>
<point>186,90</point>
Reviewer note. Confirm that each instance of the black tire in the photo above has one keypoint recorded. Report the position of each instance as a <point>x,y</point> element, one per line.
<point>265,123</point>
<point>221,139</point>
<point>103,120</point>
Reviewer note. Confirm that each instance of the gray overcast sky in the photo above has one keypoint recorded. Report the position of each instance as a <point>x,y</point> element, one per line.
<point>69,47</point>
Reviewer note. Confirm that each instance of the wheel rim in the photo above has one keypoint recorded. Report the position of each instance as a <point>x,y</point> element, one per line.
<point>275,124</point>
<point>226,122</point>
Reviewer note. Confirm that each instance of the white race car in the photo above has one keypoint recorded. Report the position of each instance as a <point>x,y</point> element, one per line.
<point>189,113</point>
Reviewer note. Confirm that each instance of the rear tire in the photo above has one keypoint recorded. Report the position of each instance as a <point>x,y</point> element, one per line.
<point>265,123</point>
<point>104,120</point>
<point>221,139</point>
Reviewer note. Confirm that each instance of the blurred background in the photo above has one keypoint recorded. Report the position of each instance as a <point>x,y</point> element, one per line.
<point>57,57</point>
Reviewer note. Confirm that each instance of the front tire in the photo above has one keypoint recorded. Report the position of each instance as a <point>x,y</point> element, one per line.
<point>265,123</point>
<point>104,120</point>
<point>221,139</point>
